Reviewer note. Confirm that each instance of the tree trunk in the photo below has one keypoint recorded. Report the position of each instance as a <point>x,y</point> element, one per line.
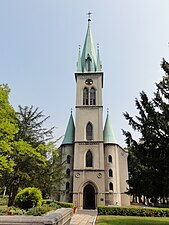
<point>12,194</point>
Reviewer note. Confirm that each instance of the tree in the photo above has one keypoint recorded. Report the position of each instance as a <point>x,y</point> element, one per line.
<point>31,148</point>
<point>8,128</point>
<point>149,156</point>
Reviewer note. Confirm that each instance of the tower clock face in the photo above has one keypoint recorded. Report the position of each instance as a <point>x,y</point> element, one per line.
<point>89,82</point>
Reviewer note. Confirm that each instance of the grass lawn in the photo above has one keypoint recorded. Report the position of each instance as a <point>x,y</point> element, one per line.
<point>131,220</point>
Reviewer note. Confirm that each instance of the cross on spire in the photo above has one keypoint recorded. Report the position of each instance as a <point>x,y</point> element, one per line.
<point>89,15</point>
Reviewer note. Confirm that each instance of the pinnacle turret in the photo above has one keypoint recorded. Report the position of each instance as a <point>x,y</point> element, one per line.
<point>70,131</point>
<point>108,134</point>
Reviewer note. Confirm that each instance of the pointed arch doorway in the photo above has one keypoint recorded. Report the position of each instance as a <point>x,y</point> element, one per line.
<point>89,197</point>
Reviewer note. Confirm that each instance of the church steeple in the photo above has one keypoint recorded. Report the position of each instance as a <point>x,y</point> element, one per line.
<point>89,60</point>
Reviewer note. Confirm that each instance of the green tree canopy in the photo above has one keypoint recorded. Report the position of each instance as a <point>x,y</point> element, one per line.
<point>149,156</point>
<point>8,129</point>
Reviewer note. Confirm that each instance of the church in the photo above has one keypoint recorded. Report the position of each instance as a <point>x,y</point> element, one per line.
<point>95,165</point>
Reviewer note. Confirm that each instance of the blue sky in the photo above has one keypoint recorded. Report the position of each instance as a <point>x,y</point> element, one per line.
<point>39,47</point>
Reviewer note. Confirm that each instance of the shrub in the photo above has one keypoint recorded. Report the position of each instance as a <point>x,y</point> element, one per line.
<point>61,204</point>
<point>38,211</point>
<point>130,211</point>
<point>14,211</point>
<point>65,204</point>
<point>28,198</point>
<point>3,200</point>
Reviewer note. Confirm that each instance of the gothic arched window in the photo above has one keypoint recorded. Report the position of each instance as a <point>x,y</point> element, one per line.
<point>111,186</point>
<point>85,96</point>
<point>89,132</point>
<point>110,173</point>
<point>68,159</point>
<point>89,159</point>
<point>110,158</point>
<point>92,96</point>
<point>68,172</point>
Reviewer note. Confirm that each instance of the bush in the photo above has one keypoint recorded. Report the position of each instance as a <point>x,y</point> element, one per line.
<point>3,200</point>
<point>38,211</point>
<point>61,204</point>
<point>65,204</point>
<point>12,211</point>
<point>130,211</point>
<point>28,198</point>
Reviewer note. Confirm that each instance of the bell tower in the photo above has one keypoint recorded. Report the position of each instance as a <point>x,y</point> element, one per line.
<point>88,167</point>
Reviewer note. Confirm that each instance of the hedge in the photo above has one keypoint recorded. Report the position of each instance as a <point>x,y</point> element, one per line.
<point>61,204</point>
<point>131,211</point>
<point>65,204</point>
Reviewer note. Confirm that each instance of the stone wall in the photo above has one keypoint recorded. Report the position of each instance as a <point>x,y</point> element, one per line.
<point>59,217</point>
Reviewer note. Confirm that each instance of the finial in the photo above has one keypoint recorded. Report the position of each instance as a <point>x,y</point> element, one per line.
<point>71,110</point>
<point>108,111</point>
<point>89,16</point>
<point>79,48</point>
<point>98,47</point>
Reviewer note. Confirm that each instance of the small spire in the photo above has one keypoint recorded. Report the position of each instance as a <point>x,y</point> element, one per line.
<point>99,65</point>
<point>70,131</point>
<point>79,65</point>
<point>108,134</point>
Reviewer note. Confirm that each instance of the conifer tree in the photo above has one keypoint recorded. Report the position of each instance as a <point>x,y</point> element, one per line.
<point>149,156</point>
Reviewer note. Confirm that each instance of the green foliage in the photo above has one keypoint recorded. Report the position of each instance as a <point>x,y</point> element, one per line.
<point>66,204</point>
<point>149,156</point>
<point>12,211</point>
<point>31,146</point>
<point>57,203</point>
<point>25,141</point>
<point>131,211</point>
<point>28,198</point>
<point>3,200</point>
<point>38,211</point>
<point>8,129</point>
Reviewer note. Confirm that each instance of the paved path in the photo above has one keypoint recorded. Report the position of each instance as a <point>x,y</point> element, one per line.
<point>84,217</point>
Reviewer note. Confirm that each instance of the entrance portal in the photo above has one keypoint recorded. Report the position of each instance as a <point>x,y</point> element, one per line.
<point>89,197</point>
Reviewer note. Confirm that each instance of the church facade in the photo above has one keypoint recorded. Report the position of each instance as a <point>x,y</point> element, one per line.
<point>95,165</point>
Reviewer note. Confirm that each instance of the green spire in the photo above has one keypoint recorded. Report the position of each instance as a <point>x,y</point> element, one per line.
<point>108,134</point>
<point>69,134</point>
<point>89,61</point>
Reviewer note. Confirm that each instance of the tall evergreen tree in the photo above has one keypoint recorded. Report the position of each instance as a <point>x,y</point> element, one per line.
<point>151,153</point>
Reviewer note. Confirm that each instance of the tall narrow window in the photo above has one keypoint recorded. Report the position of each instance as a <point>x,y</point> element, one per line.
<point>68,172</point>
<point>89,132</point>
<point>85,96</point>
<point>110,158</point>
<point>110,173</point>
<point>89,159</point>
<point>92,96</point>
<point>88,63</point>
<point>67,187</point>
<point>111,186</point>
<point>68,159</point>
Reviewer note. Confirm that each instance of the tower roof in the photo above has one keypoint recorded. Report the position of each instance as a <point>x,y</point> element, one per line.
<point>70,130</point>
<point>89,60</point>
<point>108,133</point>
